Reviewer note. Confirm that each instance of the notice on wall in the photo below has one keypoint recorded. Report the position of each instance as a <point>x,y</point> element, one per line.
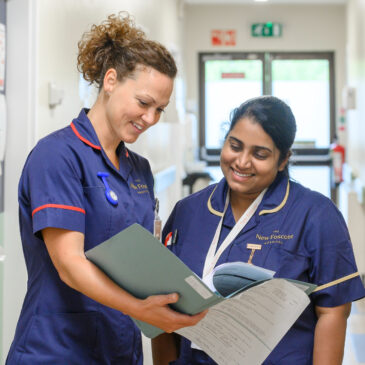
<point>2,57</point>
<point>223,37</point>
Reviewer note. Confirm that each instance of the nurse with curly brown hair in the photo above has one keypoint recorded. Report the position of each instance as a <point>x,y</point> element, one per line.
<point>80,186</point>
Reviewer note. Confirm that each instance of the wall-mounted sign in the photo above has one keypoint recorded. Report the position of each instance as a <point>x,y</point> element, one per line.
<point>268,29</point>
<point>233,75</point>
<point>223,37</point>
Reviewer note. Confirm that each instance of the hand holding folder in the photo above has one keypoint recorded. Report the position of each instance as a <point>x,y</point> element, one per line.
<point>157,312</point>
<point>141,265</point>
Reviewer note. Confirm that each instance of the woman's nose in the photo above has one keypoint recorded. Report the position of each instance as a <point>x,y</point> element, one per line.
<point>243,160</point>
<point>149,117</point>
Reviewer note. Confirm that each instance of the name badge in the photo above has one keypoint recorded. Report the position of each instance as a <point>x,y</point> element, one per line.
<point>253,246</point>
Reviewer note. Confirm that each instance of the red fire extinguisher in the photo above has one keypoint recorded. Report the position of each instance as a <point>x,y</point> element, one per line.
<point>338,159</point>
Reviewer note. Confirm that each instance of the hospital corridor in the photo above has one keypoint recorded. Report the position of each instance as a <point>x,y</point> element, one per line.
<point>228,67</point>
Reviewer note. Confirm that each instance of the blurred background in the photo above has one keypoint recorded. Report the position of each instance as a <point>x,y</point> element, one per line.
<point>310,53</point>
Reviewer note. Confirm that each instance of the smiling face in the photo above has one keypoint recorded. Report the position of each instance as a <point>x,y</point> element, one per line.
<point>135,104</point>
<point>249,160</point>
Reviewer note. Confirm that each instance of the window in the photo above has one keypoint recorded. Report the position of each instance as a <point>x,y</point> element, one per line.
<point>303,80</point>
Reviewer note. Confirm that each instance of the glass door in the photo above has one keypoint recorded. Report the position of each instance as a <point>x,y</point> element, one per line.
<point>304,84</point>
<point>305,81</point>
<point>227,81</point>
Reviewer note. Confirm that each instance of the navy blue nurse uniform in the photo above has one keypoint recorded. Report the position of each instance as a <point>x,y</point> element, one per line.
<point>60,188</point>
<point>300,235</point>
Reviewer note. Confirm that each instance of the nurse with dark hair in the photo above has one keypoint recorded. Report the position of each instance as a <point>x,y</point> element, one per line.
<point>296,232</point>
<point>80,186</point>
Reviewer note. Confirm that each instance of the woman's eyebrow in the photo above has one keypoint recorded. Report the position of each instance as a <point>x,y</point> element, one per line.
<point>263,148</point>
<point>236,140</point>
<point>152,100</point>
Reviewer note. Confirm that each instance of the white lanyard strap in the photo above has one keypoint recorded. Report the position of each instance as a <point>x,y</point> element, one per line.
<point>213,256</point>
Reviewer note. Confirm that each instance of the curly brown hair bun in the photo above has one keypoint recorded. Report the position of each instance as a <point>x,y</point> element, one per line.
<point>117,43</point>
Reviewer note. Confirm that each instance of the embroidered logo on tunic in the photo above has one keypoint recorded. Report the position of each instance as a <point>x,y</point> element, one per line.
<point>274,237</point>
<point>140,188</point>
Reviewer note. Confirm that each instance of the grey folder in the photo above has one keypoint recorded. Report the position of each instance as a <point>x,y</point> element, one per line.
<point>141,265</point>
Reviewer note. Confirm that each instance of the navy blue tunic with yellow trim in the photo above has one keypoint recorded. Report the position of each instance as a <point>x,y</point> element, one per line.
<point>60,188</point>
<point>300,235</point>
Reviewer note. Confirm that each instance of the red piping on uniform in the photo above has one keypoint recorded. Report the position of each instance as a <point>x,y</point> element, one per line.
<point>126,153</point>
<point>84,139</point>
<point>69,207</point>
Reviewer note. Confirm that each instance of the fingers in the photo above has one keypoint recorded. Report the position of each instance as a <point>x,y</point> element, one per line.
<point>169,298</point>
<point>158,313</point>
<point>192,320</point>
<point>198,317</point>
<point>163,300</point>
<point>185,320</point>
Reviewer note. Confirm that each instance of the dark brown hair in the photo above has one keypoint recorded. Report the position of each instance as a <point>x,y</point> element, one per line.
<point>117,43</point>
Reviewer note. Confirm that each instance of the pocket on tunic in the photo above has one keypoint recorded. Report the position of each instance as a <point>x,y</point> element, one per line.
<point>99,215</point>
<point>61,338</point>
<point>287,263</point>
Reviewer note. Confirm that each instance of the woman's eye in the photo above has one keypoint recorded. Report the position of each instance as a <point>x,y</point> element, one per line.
<point>142,103</point>
<point>160,110</point>
<point>260,156</point>
<point>235,147</point>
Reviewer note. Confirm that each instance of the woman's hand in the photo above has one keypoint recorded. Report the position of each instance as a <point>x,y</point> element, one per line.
<point>155,310</point>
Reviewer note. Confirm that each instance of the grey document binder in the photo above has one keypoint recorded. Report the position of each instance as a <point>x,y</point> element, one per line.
<point>141,265</point>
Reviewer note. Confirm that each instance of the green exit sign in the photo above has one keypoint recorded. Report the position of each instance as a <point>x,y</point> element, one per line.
<point>268,29</point>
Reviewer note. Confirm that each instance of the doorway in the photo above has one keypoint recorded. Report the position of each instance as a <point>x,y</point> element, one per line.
<point>304,80</point>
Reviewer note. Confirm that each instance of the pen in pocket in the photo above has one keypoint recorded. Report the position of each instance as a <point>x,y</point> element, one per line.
<point>157,223</point>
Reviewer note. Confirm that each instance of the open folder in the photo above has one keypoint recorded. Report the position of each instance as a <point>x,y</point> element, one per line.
<point>242,325</point>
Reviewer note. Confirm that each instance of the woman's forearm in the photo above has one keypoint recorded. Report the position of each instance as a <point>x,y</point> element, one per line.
<point>66,251</point>
<point>330,333</point>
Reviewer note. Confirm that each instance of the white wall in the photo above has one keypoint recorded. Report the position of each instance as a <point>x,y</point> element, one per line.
<point>21,86</point>
<point>305,28</point>
<point>42,48</point>
<point>355,54</point>
<point>356,78</point>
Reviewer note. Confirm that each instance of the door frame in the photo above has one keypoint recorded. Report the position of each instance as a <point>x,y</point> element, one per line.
<point>301,156</point>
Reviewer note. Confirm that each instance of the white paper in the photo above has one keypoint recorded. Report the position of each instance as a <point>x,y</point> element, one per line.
<point>246,328</point>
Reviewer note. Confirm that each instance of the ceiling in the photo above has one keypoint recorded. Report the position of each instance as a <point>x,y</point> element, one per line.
<point>268,2</point>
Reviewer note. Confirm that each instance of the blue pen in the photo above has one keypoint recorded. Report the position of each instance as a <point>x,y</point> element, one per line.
<point>111,197</point>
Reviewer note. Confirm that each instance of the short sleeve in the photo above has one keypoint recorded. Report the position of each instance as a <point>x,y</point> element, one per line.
<point>52,186</point>
<point>333,266</point>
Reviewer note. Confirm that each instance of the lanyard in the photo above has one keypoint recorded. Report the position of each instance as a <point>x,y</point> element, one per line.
<point>213,256</point>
